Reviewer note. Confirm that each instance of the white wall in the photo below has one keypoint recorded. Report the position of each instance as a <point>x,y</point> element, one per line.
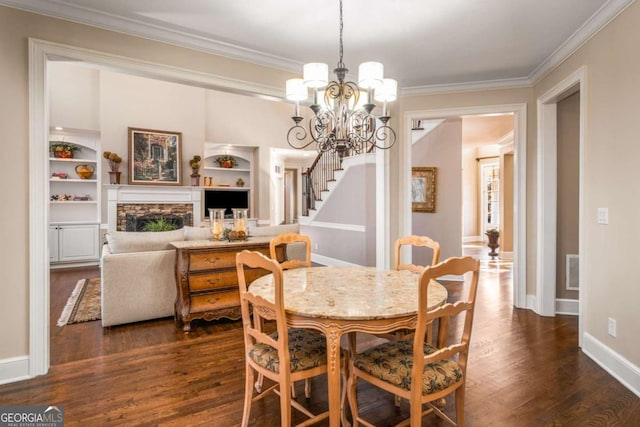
<point>470,202</point>
<point>74,95</point>
<point>442,148</point>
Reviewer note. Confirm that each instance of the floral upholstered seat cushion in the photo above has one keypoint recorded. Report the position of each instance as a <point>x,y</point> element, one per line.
<point>307,349</point>
<point>392,363</point>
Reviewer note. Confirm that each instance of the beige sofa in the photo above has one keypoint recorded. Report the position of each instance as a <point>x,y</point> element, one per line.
<point>138,276</point>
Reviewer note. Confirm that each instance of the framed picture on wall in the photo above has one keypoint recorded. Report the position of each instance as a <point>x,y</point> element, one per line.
<point>155,157</point>
<point>423,189</point>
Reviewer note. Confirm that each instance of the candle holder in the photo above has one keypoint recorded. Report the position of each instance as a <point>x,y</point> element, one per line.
<point>216,220</point>
<point>240,223</point>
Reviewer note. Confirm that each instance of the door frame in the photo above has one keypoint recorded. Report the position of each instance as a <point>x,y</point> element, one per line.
<point>40,53</point>
<point>519,189</point>
<point>547,193</point>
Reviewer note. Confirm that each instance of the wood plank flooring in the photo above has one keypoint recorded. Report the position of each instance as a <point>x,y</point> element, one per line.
<point>524,370</point>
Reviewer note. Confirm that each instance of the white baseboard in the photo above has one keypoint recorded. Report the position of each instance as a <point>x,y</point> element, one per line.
<point>532,303</point>
<point>567,306</point>
<point>331,262</point>
<point>620,368</point>
<point>469,239</point>
<point>14,369</point>
<point>507,256</point>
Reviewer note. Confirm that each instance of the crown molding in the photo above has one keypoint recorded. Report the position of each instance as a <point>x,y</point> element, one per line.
<point>84,15</point>
<point>597,22</point>
<point>125,25</point>
<point>466,87</point>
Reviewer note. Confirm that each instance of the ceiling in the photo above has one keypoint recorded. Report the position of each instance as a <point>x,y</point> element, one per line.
<point>427,45</point>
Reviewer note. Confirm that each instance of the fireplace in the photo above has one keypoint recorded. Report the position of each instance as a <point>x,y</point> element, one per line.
<point>140,222</point>
<point>180,205</point>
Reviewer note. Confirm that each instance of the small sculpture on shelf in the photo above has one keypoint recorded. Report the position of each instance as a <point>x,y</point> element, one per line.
<point>114,166</point>
<point>63,150</point>
<point>195,169</point>
<point>226,161</point>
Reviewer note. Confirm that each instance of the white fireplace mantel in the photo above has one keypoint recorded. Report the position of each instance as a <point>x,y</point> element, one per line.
<point>120,194</point>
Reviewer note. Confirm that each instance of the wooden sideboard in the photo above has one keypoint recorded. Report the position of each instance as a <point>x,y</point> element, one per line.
<point>207,280</point>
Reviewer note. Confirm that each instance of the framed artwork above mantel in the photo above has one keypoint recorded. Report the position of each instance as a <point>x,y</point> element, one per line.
<point>423,189</point>
<point>155,157</point>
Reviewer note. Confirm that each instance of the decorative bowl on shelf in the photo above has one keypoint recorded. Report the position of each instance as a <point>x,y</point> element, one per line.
<point>85,171</point>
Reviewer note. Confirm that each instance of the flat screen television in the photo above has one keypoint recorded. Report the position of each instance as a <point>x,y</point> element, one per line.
<point>225,199</point>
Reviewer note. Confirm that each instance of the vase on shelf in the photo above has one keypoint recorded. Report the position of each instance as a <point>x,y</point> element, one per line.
<point>84,171</point>
<point>63,154</point>
<point>114,177</point>
<point>113,166</point>
<point>195,180</point>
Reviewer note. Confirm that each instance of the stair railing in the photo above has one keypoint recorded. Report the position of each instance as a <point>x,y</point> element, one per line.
<point>317,176</point>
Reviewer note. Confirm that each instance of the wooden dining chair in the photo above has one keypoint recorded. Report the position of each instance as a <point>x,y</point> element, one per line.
<point>278,248</point>
<point>285,356</point>
<point>419,371</point>
<point>422,241</point>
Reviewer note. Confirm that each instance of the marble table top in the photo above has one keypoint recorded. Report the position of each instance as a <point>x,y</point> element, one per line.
<point>350,293</point>
<point>198,244</point>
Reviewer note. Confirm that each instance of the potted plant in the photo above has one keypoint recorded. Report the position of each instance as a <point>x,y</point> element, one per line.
<point>114,166</point>
<point>493,234</point>
<point>195,169</point>
<point>113,159</point>
<point>226,161</point>
<point>63,150</point>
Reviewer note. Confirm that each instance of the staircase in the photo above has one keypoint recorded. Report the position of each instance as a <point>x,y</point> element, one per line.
<point>322,177</point>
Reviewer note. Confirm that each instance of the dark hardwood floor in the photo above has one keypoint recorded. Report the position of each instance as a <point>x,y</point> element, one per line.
<point>524,370</point>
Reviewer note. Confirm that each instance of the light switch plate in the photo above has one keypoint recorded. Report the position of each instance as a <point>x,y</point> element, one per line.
<point>603,215</point>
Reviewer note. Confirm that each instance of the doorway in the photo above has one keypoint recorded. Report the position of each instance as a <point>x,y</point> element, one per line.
<point>290,198</point>
<point>489,195</point>
<point>518,203</point>
<point>547,193</point>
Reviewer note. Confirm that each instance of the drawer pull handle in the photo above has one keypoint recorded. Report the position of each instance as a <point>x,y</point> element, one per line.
<point>213,282</point>
<point>213,260</point>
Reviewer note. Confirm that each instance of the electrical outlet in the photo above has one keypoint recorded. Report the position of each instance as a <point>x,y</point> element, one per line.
<point>611,327</point>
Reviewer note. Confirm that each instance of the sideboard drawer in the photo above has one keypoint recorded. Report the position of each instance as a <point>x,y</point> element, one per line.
<point>199,261</point>
<point>215,301</point>
<point>213,280</point>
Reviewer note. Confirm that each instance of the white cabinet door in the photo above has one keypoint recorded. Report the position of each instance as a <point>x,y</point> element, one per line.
<point>53,243</point>
<point>78,242</point>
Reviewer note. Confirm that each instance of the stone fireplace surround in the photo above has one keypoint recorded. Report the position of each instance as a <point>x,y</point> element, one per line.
<point>152,199</point>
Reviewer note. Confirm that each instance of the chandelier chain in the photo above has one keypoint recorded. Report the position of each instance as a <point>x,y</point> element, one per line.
<point>340,63</point>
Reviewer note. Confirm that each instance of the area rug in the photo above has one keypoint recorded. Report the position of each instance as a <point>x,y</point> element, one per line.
<point>84,303</point>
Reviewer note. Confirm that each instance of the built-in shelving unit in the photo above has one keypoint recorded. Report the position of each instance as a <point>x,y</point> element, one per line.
<point>74,224</point>
<point>215,177</point>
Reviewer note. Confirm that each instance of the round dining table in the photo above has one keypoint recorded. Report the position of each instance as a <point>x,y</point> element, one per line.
<point>340,300</point>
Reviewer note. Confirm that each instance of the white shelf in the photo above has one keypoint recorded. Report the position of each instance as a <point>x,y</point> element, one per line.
<point>214,168</point>
<point>225,187</point>
<point>72,180</point>
<point>73,202</point>
<point>58,159</point>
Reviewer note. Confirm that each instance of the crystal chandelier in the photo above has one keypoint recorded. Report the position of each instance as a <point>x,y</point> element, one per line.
<point>342,119</point>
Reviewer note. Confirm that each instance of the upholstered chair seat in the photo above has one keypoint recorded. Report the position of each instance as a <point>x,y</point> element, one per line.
<point>307,350</point>
<point>392,362</point>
